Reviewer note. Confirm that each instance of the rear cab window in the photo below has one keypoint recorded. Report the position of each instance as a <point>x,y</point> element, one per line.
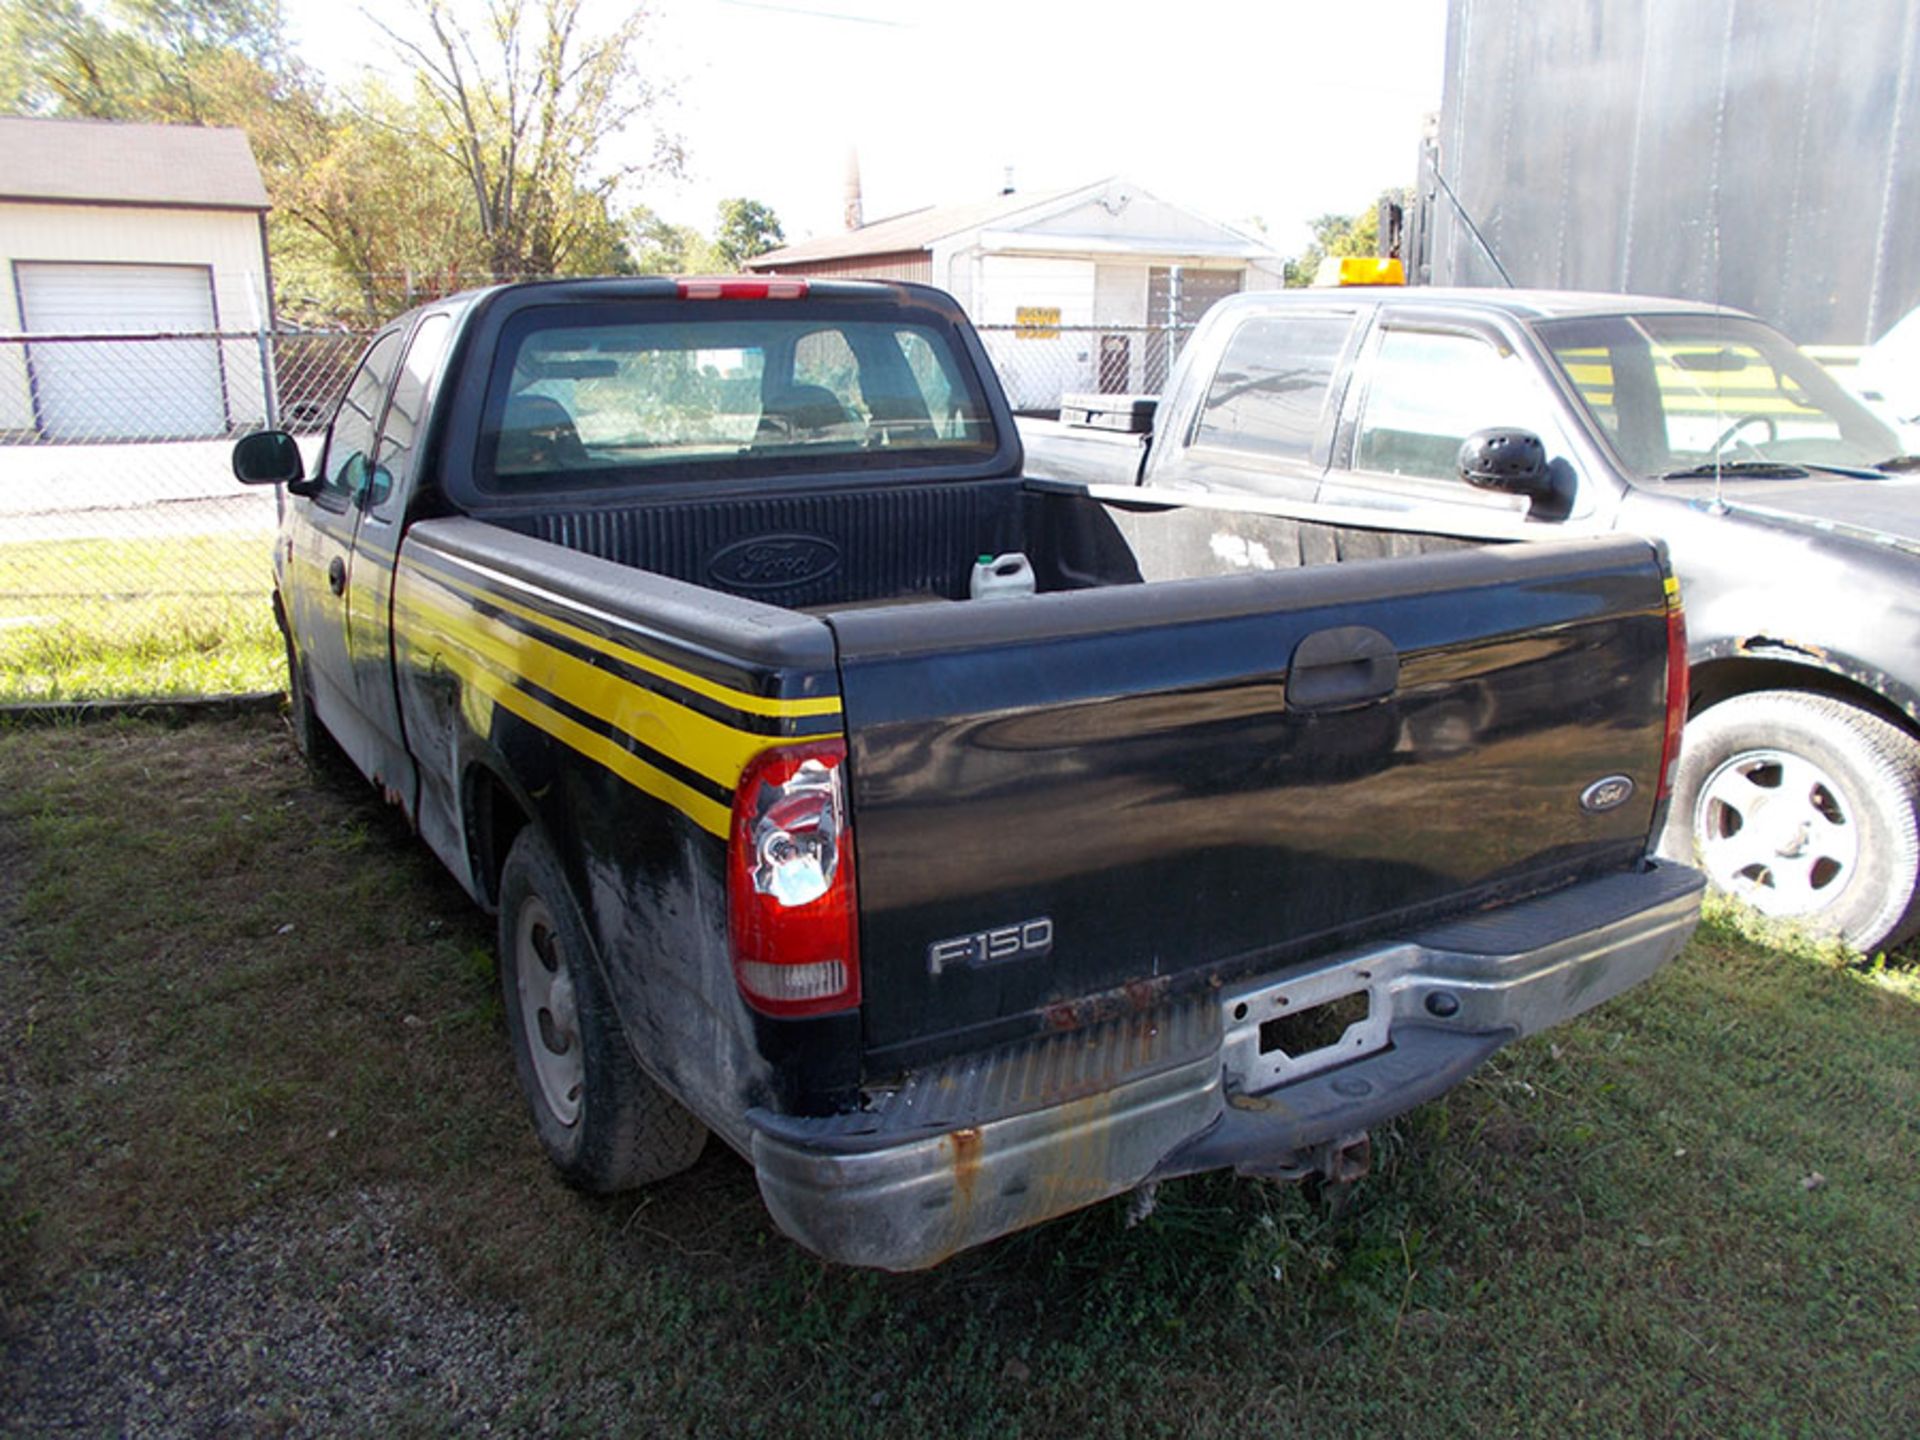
<point>619,396</point>
<point>1270,398</point>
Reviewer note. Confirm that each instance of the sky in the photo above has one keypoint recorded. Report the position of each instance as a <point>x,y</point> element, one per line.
<point>1247,111</point>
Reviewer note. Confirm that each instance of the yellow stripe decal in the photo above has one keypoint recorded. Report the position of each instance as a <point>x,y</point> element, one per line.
<point>712,747</point>
<point>738,699</point>
<point>490,656</point>
<point>629,767</point>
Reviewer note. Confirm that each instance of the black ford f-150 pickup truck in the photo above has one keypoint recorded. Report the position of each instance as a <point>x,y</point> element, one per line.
<point>1792,517</point>
<point>650,603</point>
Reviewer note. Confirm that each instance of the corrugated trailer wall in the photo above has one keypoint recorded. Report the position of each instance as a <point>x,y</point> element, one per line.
<point>1763,155</point>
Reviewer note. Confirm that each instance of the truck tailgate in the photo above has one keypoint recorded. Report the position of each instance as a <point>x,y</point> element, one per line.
<point>1074,803</point>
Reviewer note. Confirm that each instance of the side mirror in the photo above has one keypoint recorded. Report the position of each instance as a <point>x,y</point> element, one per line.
<point>1514,462</point>
<point>268,457</point>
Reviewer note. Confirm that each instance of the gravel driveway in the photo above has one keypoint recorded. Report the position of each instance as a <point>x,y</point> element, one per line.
<point>320,1323</point>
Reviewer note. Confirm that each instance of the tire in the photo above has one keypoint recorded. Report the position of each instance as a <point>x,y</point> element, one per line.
<point>300,717</point>
<point>1803,806</point>
<point>317,747</point>
<point>603,1123</point>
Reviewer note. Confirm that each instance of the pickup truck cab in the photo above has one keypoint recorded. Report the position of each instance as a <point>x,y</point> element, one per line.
<point>650,603</point>
<point>1788,508</point>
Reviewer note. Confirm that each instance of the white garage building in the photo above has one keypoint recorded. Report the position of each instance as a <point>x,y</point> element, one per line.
<point>109,231</point>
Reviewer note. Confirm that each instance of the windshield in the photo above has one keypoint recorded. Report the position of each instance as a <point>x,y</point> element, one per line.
<point>603,397</point>
<point>1679,396</point>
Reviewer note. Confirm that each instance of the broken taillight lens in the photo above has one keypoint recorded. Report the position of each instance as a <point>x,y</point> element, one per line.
<point>790,895</point>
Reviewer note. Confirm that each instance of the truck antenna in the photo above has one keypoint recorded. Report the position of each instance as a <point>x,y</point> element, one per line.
<point>1467,220</point>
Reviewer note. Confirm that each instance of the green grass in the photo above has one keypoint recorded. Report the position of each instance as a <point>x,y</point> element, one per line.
<point>172,615</point>
<point>229,992</point>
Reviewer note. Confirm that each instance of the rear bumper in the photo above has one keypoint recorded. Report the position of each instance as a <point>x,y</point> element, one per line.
<point>902,1191</point>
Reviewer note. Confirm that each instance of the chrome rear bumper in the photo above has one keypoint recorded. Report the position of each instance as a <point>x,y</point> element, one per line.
<point>908,1185</point>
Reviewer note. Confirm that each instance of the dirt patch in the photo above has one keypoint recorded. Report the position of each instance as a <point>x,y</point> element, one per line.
<point>311,1322</point>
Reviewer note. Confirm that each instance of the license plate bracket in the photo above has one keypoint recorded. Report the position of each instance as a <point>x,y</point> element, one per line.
<point>1283,1030</point>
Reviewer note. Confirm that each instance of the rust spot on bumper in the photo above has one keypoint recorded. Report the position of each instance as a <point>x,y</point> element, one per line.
<point>966,1162</point>
<point>1133,998</point>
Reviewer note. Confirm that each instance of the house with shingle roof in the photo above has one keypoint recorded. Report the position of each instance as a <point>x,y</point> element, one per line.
<point>1083,278</point>
<point>112,230</point>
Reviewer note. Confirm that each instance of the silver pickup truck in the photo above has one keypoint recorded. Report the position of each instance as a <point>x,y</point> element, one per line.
<point>1792,517</point>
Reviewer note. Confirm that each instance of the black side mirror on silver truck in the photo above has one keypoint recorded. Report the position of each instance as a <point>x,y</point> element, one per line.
<point>270,457</point>
<point>1514,462</point>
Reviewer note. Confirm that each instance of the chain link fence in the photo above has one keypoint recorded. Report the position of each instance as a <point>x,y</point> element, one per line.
<point>131,561</point>
<point>1039,363</point>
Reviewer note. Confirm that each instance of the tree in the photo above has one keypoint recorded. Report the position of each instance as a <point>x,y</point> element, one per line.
<point>367,220</point>
<point>155,60</point>
<point>364,217</point>
<point>746,229</point>
<point>51,58</point>
<point>1335,235</point>
<point>487,165</point>
<point>1342,235</point>
<point>660,247</point>
<point>525,102</point>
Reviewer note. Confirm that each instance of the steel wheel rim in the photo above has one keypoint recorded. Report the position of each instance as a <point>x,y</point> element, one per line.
<point>1774,829</point>
<point>549,1014</point>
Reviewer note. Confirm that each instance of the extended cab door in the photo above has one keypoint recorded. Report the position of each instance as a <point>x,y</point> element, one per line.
<point>320,551</point>
<point>1422,384</point>
<point>382,513</point>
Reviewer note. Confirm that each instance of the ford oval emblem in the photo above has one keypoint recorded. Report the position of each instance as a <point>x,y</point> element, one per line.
<point>774,562</point>
<point>1608,794</point>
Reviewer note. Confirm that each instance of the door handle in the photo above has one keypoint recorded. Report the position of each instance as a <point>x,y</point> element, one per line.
<point>337,575</point>
<point>1347,665</point>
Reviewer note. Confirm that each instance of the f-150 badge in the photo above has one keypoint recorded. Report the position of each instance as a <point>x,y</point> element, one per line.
<point>1026,940</point>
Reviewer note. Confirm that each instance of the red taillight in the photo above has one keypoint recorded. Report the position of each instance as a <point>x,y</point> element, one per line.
<point>726,288</point>
<point>1676,690</point>
<point>790,897</point>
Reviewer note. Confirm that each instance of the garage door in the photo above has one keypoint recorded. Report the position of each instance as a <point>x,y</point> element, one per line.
<point>122,389</point>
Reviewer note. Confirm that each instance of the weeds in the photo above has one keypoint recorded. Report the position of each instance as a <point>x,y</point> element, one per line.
<point>178,615</point>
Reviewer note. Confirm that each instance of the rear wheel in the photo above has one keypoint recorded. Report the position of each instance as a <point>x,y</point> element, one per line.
<point>604,1124</point>
<point>1804,807</point>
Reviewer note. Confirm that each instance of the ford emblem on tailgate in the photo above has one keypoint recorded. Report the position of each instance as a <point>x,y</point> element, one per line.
<point>774,562</point>
<point>1608,794</point>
